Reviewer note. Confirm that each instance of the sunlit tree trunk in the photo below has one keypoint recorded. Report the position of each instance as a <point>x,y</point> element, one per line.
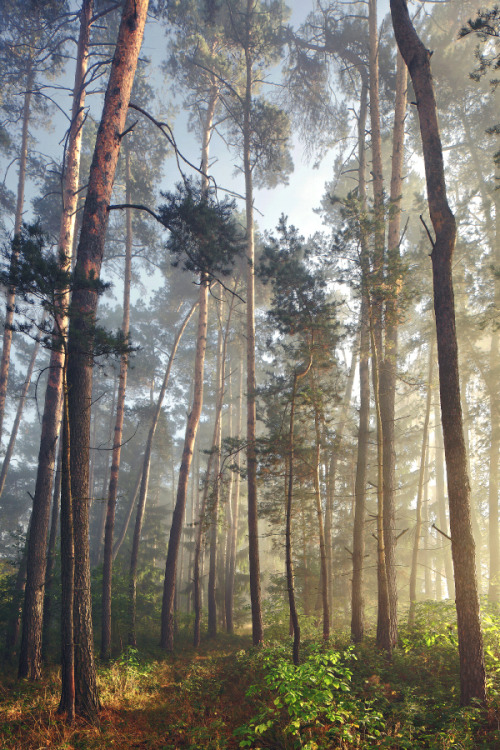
<point>253,522</point>
<point>144,484</point>
<point>470,642</point>
<point>51,556</point>
<point>294,616</point>
<point>215,494</point>
<point>441,501</point>
<point>82,317</point>
<point>388,368</point>
<point>167,623</point>
<point>420,491</point>
<point>358,546</point>
<point>31,653</point>
<point>231,562</point>
<point>332,475</point>
<point>107,570</point>
<point>319,516</point>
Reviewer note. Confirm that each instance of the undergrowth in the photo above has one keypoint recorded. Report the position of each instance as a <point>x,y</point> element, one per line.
<point>230,695</point>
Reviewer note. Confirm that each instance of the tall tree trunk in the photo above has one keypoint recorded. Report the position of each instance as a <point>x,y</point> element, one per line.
<point>213,457</point>
<point>68,686</point>
<point>231,561</point>
<point>31,655</point>
<point>494,453</point>
<point>133,498</point>
<point>167,631</point>
<point>420,490</point>
<point>167,624</point>
<point>358,545</point>
<point>383,612</point>
<point>384,639</point>
<point>18,220</point>
<point>332,475</point>
<point>319,515</point>
<point>14,621</point>
<point>470,641</point>
<point>389,365</point>
<point>107,570</point>
<point>82,316</point>
<point>441,501</point>
<point>51,556</point>
<point>101,510</point>
<point>253,521</point>
<point>294,617</point>
<point>214,509</point>
<point>144,484</point>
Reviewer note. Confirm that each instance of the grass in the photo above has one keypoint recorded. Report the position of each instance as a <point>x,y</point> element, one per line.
<point>229,695</point>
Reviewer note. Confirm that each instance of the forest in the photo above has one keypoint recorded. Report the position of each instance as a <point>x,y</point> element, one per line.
<point>249,426</point>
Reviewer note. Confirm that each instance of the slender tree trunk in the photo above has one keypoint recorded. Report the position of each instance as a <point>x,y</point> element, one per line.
<point>130,510</point>
<point>51,556</point>
<point>67,703</point>
<point>470,641</point>
<point>201,521</point>
<point>19,413</point>
<point>14,621</point>
<point>253,521</point>
<point>214,510</point>
<point>383,614</point>
<point>494,453</point>
<point>82,316</point>
<point>321,531</point>
<point>144,482</point>
<point>358,546</point>
<point>440,500</point>
<point>332,475</point>
<point>101,510</point>
<point>167,624</point>
<point>294,617</point>
<point>384,639</point>
<point>231,567</point>
<point>167,632</point>
<point>18,220</point>
<point>420,491</point>
<point>31,654</point>
<point>107,571</point>
<point>388,368</point>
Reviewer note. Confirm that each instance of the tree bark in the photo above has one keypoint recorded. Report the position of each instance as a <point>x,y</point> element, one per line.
<point>358,546</point>
<point>253,520</point>
<point>420,491</point>
<point>470,642</point>
<point>167,623</point>
<point>107,570</point>
<point>231,559</point>
<point>144,484</point>
<point>51,556</point>
<point>31,655</point>
<point>388,368</point>
<point>332,475</point>
<point>82,316</point>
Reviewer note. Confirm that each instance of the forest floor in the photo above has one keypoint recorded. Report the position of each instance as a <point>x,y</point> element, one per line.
<point>228,695</point>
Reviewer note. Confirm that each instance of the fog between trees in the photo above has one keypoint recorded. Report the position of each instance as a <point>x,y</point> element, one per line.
<point>252,420</point>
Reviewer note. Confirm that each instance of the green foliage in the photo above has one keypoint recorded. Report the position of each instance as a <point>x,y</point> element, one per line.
<point>312,699</point>
<point>41,278</point>
<point>203,231</point>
